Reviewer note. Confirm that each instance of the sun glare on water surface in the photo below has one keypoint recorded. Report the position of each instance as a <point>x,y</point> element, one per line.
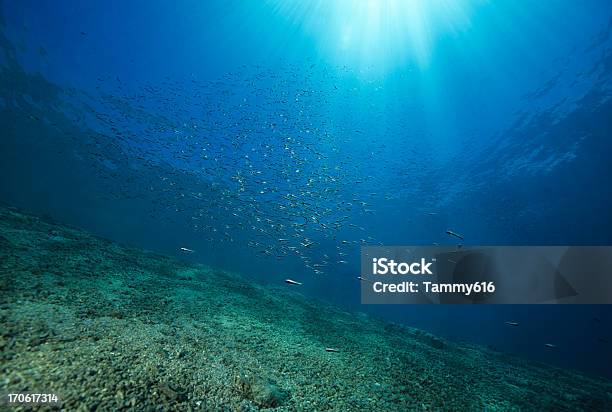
<point>381,33</point>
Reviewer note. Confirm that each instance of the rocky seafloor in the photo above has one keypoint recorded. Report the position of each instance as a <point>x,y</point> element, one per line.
<point>107,327</point>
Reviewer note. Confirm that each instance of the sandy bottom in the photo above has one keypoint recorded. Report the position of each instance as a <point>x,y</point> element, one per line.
<point>106,327</point>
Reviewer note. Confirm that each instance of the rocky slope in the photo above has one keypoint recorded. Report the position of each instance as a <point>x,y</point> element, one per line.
<point>106,327</point>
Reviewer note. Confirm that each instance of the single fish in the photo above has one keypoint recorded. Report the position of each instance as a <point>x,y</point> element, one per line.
<point>292,282</point>
<point>457,235</point>
<point>364,279</point>
<point>184,249</point>
<point>512,323</point>
<point>550,345</point>
<point>332,350</point>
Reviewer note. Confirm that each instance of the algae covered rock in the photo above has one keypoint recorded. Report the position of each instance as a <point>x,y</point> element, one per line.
<point>263,392</point>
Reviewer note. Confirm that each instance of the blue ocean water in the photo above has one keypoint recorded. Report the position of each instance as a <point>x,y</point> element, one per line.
<point>247,130</point>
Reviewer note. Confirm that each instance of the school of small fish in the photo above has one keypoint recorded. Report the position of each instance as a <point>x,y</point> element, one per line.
<point>253,159</point>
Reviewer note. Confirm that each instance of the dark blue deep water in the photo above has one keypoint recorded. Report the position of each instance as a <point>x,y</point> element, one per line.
<point>246,130</point>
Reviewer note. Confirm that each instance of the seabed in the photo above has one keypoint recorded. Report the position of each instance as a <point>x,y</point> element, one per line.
<point>108,327</point>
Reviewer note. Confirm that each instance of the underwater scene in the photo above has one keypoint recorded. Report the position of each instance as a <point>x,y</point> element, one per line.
<point>187,189</point>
